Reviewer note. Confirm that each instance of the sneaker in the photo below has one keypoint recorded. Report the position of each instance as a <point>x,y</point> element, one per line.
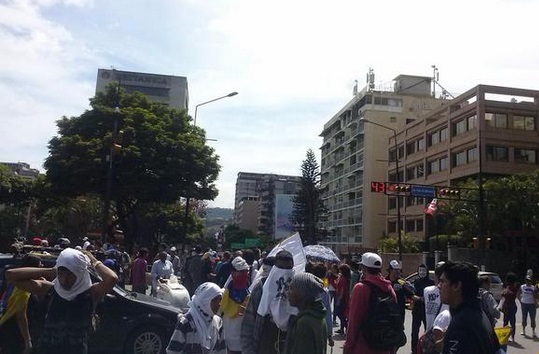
<point>523,333</point>
<point>339,331</point>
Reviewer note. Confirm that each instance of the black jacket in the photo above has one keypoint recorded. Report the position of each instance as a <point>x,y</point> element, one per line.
<point>470,331</point>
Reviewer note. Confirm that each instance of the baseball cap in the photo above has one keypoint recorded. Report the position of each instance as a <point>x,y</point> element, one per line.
<point>239,264</point>
<point>394,264</point>
<point>371,260</point>
<point>172,249</point>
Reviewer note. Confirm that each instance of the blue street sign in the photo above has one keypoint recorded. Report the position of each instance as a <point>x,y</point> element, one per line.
<point>423,191</point>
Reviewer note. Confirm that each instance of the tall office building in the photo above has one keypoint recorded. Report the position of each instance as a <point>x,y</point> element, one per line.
<point>355,153</point>
<point>166,89</point>
<point>488,130</point>
<point>273,195</point>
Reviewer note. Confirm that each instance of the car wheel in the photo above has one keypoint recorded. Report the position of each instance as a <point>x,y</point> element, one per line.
<point>146,340</point>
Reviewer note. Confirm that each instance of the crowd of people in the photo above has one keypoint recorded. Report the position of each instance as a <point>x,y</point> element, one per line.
<point>247,302</point>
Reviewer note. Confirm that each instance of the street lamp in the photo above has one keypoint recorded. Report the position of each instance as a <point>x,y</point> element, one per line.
<point>210,101</point>
<point>399,232</point>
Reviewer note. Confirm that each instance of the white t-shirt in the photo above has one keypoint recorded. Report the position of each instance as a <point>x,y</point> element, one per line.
<point>527,293</point>
<point>443,320</point>
<point>431,294</point>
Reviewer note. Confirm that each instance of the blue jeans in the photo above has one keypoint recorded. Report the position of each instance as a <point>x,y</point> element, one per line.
<point>528,309</point>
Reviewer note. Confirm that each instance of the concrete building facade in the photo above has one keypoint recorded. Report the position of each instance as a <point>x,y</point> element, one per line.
<point>247,213</point>
<point>269,189</point>
<point>490,130</point>
<point>21,169</point>
<point>166,89</point>
<point>355,153</point>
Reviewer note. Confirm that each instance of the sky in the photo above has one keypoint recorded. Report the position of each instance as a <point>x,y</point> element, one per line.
<point>293,63</point>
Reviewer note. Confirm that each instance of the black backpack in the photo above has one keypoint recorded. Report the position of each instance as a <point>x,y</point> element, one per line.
<point>383,329</point>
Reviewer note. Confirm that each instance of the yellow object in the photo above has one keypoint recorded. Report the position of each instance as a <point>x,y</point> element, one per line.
<point>230,307</point>
<point>16,303</point>
<point>503,334</point>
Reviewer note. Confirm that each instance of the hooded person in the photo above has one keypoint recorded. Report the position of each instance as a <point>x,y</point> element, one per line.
<point>418,309</point>
<point>235,299</point>
<point>253,324</point>
<point>308,332</point>
<point>200,330</point>
<point>273,312</point>
<point>73,298</point>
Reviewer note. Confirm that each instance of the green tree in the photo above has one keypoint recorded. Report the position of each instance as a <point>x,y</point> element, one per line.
<point>308,205</point>
<point>163,158</point>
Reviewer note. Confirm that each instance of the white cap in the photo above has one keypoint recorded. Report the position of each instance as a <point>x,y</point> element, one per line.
<point>371,260</point>
<point>172,249</point>
<point>394,264</point>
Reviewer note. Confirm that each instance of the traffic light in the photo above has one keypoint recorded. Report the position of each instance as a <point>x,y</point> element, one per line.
<point>398,188</point>
<point>448,192</point>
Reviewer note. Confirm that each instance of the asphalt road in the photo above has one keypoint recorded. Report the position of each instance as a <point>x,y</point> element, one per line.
<point>522,345</point>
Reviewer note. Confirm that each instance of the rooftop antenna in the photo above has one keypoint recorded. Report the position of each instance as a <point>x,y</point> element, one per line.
<point>370,79</point>
<point>435,79</point>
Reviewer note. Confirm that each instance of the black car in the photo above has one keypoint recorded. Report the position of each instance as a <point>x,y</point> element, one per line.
<point>128,322</point>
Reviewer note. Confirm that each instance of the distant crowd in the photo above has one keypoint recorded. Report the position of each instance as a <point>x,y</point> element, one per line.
<point>245,301</point>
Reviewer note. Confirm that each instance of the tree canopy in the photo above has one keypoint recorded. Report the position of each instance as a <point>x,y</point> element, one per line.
<point>160,159</point>
<point>308,205</point>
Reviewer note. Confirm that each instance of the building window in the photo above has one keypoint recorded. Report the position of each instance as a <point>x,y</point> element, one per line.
<point>460,158</point>
<point>460,127</point>
<point>434,138</point>
<point>523,123</point>
<point>391,226</point>
<point>410,225</point>
<point>434,166</point>
<point>472,154</point>
<point>496,120</point>
<point>444,134</point>
<point>419,225</point>
<point>410,173</point>
<point>472,122</point>
<point>420,170</point>
<point>497,153</point>
<point>410,148</point>
<point>443,164</point>
<point>401,152</point>
<point>526,156</point>
<point>420,144</point>
<point>392,203</point>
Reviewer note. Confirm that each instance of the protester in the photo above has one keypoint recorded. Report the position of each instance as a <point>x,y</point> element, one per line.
<point>403,289</point>
<point>355,343</point>
<point>138,272</point>
<point>253,324</point>
<point>161,271</point>
<point>320,271</point>
<point>73,298</point>
<point>342,296</point>
<point>308,332</point>
<point>195,268</point>
<point>488,303</point>
<point>223,269</point>
<point>355,275</point>
<point>274,306</point>
<point>200,330</point>
<point>14,330</point>
<point>418,306</point>
<point>333,273</point>
<point>528,294</point>
<point>235,298</point>
<point>470,330</point>
<point>431,296</point>
<point>508,303</point>
<point>175,259</point>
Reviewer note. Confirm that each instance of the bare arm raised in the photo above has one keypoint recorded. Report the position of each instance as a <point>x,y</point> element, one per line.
<point>109,278</point>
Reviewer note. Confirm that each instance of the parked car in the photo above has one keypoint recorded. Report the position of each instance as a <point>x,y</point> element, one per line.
<point>496,284</point>
<point>129,322</point>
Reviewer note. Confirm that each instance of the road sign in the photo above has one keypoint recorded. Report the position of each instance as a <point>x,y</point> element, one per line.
<point>423,191</point>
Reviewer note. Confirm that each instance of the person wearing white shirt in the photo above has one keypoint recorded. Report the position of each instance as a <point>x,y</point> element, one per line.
<point>161,269</point>
<point>527,295</point>
<point>431,295</point>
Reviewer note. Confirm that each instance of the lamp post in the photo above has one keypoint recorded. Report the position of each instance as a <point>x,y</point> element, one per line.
<point>399,232</point>
<point>210,101</point>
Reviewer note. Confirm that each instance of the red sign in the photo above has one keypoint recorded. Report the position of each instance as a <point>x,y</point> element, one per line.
<point>378,187</point>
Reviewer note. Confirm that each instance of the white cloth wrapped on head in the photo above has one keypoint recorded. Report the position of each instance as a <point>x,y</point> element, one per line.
<point>77,263</point>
